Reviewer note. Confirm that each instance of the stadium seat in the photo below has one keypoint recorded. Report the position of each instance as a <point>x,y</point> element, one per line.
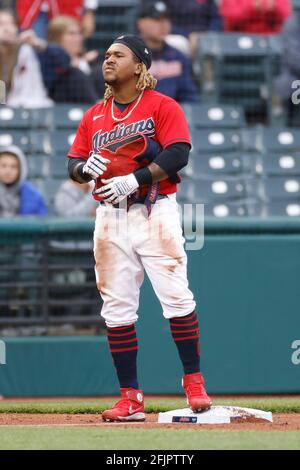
<point>220,209</point>
<point>214,116</point>
<point>40,142</point>
<point>11,118</point>
<point>48,187</point>
<point>51,142</point>
<point>234,45</point>
<point>42,119</point>
<point>281,188</point>
<point>211,190</point>
<point>275,209</point>
<point>281,164</point>
<point>280,140</point>
<point>12,137</point>
<point>252,163</point>
<point>211,141</point>
<point>58,166</point>
<point>226,209</point>
<point>187,191</point>
<point>255,189</point>
<point>256,208</point>
<point>237,69</point>
<point>251,138</point>
<point>271,139</point>
<point>68,116</point>
<point>280,209</point>
<point>213,164</point>
<point>38,166</point>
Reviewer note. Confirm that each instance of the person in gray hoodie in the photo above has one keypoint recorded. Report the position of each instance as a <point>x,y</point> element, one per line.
<point>17,196</point>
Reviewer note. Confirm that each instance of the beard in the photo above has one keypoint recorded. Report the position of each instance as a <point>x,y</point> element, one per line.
<point>111,82</point>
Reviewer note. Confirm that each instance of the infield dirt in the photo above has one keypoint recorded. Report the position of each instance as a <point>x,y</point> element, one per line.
<point>282,422</point>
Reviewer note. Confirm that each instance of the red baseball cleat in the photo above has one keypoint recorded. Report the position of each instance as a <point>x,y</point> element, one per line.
<point>194,387</point>
<point>129,408</point>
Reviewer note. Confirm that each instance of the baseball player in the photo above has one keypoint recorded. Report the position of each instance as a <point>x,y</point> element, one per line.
<point>133,144</point>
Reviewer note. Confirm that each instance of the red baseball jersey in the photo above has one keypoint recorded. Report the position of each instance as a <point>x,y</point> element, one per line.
<point>29,10</point>
<point>120,136</point>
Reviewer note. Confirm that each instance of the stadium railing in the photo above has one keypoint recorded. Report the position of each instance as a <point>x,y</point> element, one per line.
<point>47,272</point>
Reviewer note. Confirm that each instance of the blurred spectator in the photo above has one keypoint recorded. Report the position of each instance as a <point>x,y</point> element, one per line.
<point>255,16</point>
<point>169,66</point>
<point>88,20</point>
<point>70,74</point>
<point>74,199</point>
<point>191,17</point>
<point>36,15</point>
<point>17,196</point>
<point>20,67</point>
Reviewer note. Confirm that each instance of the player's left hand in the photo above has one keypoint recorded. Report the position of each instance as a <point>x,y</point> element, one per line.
<point>118,188</point>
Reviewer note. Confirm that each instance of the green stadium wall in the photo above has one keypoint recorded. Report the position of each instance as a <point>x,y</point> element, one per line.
<point>246,281</point>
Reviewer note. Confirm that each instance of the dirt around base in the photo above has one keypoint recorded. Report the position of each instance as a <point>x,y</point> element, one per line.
<point>281,422</point>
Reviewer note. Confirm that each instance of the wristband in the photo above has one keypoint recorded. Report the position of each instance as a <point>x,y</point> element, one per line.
<point>143,176</point>
<point>78,171</point>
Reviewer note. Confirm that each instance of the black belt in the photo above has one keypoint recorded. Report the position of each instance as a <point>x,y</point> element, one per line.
<point>138,201</point>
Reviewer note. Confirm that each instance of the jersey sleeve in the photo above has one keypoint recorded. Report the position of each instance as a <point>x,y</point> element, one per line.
<point>171,126</point>
<point>80,147</point>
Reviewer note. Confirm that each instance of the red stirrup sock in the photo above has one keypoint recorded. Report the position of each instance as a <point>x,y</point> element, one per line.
<point>185,332</point>
<point>123,347</point>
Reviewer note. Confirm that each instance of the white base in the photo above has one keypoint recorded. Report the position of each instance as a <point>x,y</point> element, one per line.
<point>216,415</point>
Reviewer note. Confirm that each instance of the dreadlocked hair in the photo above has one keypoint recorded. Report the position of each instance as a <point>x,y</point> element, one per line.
<point>146,81</point>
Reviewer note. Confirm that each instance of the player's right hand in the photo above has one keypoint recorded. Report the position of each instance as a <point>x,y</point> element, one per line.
<point>95,165</point>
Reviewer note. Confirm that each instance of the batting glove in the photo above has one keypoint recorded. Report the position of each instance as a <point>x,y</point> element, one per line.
<point>95,165</point>
<point>118,188</point>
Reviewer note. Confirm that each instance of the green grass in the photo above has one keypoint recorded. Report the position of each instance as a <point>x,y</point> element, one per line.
<point>190,438</point>
<point>273,404</point>
<point>32,438</point>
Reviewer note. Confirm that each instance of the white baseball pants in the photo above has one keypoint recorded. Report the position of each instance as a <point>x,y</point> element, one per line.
<point>126,244</point>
